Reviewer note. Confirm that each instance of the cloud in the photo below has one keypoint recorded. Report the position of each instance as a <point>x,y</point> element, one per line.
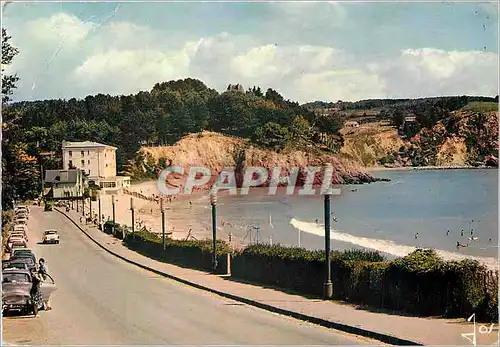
<point>426,71</point>
<point>120,57</point>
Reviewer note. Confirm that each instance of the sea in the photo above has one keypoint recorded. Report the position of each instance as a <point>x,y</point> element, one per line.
<point>416,209</point>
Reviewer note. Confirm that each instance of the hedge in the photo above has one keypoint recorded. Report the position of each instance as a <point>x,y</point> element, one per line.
<point>420,283</point>
<point>193,254</point>
<point>119,230</point>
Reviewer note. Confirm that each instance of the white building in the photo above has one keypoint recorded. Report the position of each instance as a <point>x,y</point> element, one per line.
<point>97,160</point>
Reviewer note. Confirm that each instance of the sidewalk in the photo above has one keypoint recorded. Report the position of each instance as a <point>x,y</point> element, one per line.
<point>388,328</point>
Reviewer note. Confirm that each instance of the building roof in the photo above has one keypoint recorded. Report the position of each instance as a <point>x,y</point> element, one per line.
<point>61,176</point>
<point>85,144</point>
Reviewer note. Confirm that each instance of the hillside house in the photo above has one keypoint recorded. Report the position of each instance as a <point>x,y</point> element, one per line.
<point>351,124</point>
<point>236,88</point>
<point>97,160</point>
<point>61,184</point>
<point>409,119</point>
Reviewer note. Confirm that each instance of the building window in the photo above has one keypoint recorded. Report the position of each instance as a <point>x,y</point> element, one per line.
<point>82,153</point>
<point>105,155</point>
<point>70,164</point>
<point>83,162</point>
<point>89,162</point>
<point>88,152</point>
<point>106,165</point>
<point>70,153</point>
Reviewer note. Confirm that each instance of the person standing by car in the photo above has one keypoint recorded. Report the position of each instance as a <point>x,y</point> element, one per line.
<point>36,291</point>
<point>42,268</point>
<point>43,272</point>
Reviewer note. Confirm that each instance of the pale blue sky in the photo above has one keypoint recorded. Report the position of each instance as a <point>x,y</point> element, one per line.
<point>367,34</point>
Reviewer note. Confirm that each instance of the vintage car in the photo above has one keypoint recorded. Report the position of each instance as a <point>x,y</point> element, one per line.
<point>23,251</point>
<point>16,287</point>
<point>21,234</point>
<point>17,242</point>
<point>30,261</point>
<point>50,236</point>
<point>14,264</point>
<point>23,221</point>
<point>20,227</point>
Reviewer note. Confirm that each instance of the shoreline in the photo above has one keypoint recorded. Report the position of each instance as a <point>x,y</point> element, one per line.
<point>427,168</point>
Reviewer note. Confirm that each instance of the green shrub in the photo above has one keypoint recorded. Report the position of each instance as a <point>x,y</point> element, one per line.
<point>420,283</point>
<point>192,253</point>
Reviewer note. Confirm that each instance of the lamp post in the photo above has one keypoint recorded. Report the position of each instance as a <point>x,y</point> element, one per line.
<point>163,226</point>
<point>133,215</point>
<point>99,207</point>
<point>213,202</point>
<point>328,286</point>
<point>113,208</point>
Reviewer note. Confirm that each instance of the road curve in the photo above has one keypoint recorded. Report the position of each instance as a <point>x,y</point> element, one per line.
<point>102,300</point>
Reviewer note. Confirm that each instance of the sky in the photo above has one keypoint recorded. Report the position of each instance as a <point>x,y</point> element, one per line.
<point>307,51</point>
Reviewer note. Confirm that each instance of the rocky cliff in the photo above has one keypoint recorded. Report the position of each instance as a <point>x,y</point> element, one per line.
<point>464,138</point>
<point>218,152</point>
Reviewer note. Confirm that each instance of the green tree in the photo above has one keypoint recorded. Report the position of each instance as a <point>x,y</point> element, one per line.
<point>272,136</point>
<point>8,53</point>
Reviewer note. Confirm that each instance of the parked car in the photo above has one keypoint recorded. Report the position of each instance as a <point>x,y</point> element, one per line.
<point>16,287</point>
<point>15,264</point>
<point>23,221</point>
<point>19,234</point>
<point>23,208</point>
<point>20,227</point>
<point>22,215</point>
<point>50,236</point>
<point>18,242</point>
<point>23,253</point>
<point>30,261</point>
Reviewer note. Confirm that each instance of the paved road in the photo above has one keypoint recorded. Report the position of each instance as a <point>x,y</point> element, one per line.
<point>101,301</point>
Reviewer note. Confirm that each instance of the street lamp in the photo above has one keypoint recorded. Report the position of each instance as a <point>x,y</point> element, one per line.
<point>113,207</point>
<point>328,286</point>
<point>213,202</point>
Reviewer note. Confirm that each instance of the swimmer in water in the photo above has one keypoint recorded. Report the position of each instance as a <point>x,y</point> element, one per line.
<point>489,240</point>
<point>447,232</point>
<point>317,221</point>
<point>416,236</point>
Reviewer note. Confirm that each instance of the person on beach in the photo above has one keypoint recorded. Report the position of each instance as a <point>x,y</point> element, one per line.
<point>462,232</point>
<point>471,232</point>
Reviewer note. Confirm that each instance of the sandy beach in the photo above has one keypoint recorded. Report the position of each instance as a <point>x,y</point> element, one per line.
<point>149,212</point>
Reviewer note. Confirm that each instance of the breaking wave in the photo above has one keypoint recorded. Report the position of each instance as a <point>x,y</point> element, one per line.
<point>385,246</point>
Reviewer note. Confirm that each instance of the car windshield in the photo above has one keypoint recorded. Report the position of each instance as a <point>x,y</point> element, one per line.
<point>15,278</point>
<point>50,232</point>
<point>24,259</point>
